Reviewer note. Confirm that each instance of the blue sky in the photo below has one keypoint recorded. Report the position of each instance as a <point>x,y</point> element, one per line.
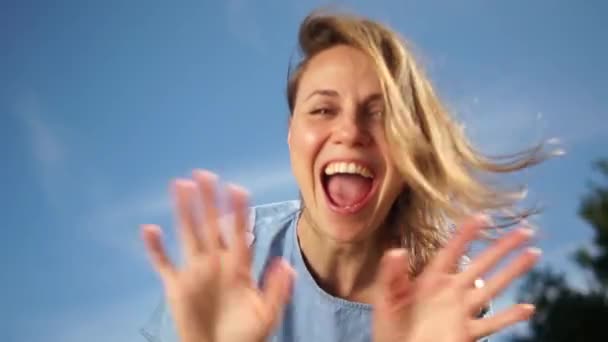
<point>102,103</point>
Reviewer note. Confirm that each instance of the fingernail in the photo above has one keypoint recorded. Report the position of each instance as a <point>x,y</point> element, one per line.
<point>528,307</point>
<point>206,174</point>
<point>183,183</point>
<point>237,189</point>
<point>527,231</point>
<point>484,219</point>
<point>534,250</point>
<point>150,226</point>
<point>397,252</point>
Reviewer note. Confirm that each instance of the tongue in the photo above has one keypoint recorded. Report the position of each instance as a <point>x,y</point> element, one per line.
<point>346,190</point>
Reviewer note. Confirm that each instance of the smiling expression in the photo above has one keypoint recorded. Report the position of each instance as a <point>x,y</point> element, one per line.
<point>337,129</point>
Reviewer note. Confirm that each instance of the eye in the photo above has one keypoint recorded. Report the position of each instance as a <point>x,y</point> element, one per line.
<point>376,112</point>
<point>323,111</point>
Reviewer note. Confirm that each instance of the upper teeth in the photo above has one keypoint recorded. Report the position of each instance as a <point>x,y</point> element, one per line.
<point>352,168</point>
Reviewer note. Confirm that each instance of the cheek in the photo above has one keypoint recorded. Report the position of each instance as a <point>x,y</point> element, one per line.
<point>304,146</point>
<point>305,143</point>
<point>383,148</point>
<point>395,179</point>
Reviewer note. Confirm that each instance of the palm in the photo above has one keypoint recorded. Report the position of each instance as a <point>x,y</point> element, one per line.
<point>441,305</point>
<point>213,296</point>
<point>242,303</point>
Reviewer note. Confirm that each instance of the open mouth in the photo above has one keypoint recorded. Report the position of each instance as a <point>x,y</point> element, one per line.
<point>348,186</point>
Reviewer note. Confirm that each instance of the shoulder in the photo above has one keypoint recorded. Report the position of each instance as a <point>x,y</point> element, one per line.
<point>262,219</point>
<point>269,227</point>
<point>267,218</point>
<point>270,234</point>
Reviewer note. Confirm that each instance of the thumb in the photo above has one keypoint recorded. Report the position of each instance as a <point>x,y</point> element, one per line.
<point>393,275</point>
<point>278,282</point>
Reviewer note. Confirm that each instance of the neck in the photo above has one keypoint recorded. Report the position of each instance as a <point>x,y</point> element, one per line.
<point>345,270</point>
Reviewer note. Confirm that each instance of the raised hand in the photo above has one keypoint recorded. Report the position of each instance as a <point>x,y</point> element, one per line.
<point>441,305</point>
<point>213,297</point>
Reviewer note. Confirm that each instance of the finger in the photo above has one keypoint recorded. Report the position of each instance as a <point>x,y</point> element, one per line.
<point>277,288</point>
<point>502,279</point>
<point>393,274</point>
<point>486,326</point>
<point>239,201</point>
<point>447,258</point>
<point>184,192</point>
<point>491,256</point>
<point>209,224</point>
<point>151,234</point>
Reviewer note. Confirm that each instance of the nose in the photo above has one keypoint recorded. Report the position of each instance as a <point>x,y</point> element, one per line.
<point>351,131</point>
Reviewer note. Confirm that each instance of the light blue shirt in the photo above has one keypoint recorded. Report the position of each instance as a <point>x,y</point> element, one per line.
<point>312,314</point>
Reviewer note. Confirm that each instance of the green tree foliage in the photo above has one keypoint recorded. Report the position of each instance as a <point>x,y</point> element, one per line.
<point>568,314</point>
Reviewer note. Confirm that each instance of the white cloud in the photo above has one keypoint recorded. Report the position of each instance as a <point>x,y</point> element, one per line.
<point>256,180</point>
<point>116,228</point>
<point>504,117</point>
<point>46,147</point>
<point>118,320</point>
<point>117,225</point>
<point>45,144</point>
<point>499,128</point>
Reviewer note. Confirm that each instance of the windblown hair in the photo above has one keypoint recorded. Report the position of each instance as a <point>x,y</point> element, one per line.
<point>447,177</point>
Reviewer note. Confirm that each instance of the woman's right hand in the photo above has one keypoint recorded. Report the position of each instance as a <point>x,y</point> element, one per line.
<point>213,297</point>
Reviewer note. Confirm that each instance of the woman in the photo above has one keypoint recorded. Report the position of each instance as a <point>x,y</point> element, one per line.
<point>383,171</point>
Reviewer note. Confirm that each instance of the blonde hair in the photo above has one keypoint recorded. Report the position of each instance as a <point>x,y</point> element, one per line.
<point>447,177</point>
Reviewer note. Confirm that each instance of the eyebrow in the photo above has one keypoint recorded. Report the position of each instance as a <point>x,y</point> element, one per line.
<point>333,93</point>
<point>373,97</point>
<point>324,92</point>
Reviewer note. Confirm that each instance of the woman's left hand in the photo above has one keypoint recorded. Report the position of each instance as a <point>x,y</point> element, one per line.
<point>442,305</point>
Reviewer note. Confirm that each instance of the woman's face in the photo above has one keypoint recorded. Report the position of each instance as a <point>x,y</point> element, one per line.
<point>339,152</point>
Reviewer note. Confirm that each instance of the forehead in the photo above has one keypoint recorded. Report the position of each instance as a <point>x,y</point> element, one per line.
<point>343,68</point>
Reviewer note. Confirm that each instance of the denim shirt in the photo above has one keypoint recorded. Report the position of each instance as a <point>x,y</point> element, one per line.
<point>312,314</point>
